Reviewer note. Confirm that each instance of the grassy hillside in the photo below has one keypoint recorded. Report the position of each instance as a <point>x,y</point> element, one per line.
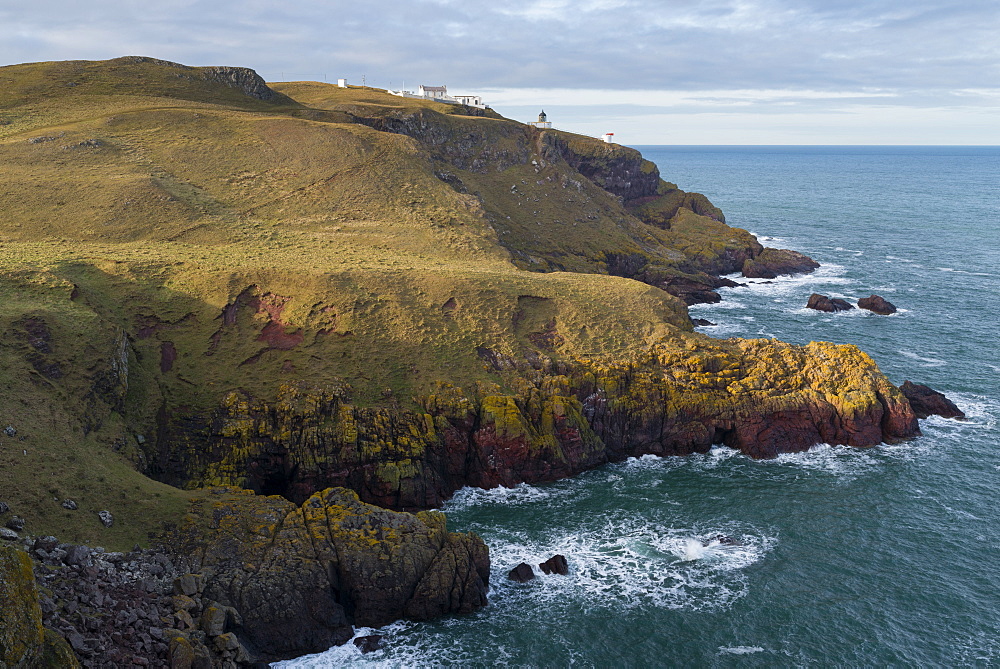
<point>173,234</point>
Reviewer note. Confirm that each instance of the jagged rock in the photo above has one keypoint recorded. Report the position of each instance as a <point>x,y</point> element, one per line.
<point>877,304</point>
<point>522,573</point>
<point>929,402</point>
<point>370,643</point>
<point>69,505</point>
<point>824,303</point>
<point>300,576</point>
<point>16,523</point>
<point>702,322</point>
<point>8,535</point>
<point>10,431</point>
<point>772,263</point>
<point>4,508</point>
<point>555,565</point>
<point>106,518</point>
<point>722,540</point>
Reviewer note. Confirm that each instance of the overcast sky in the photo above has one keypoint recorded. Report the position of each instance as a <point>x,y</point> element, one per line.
<point>653,72</point>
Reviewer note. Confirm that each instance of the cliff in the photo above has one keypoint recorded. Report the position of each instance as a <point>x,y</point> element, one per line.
<point>209,280</point>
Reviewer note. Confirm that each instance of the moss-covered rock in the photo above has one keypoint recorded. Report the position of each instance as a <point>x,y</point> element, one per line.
<point>23,640</point>
<point>301,576</point>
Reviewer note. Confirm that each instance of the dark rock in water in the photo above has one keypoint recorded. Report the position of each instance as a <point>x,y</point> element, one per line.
<point>106,518</point>
<point>824,303</point>
<point>877,304</point>
<point>772,263</point>
<point>370,643</point>
<point>722,540</point>
<point>69,505</point>
<point>701,322</point>
<point>929,402</point>
<point>16,523</point>
<point>555,565</point>
<point>521,573</point>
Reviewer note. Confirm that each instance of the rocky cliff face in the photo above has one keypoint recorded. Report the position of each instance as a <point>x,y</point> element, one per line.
<point>300,576</point>
<point>758,396</point>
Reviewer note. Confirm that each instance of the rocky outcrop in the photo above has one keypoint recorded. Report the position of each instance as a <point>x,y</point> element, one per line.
<point>829,305</point>
<point>772,263</point>
<point>928,402</point>
<point>242,79</point>
<point>300,577</point>
<point>555,565</point>
<point>24,642</point>
<point>877,304</point>
<point>759,396</point>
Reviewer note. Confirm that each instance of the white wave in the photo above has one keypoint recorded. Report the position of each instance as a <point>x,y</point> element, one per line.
<point>927,362</point>
<point>522,493</point>
<point>855,252</point>
<point>629,563</point>
<point>740,650</point>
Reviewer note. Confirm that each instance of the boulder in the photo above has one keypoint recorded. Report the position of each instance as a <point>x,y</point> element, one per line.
<point>69,505</point>
<point>824,303</point>
<point>4,508</point>
<point>77,555</point>
<point>106,518</point>
<point>522,573</point>
<point>772,263</point>
<point>702,322</point>
<point>16,523</point>
<point>555,565</point>
<point>877,304</point>
<point>929,402</point>
<point>8,534</point>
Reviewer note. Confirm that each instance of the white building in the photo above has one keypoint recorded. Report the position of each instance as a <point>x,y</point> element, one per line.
<point>342,83</point>
<point>440,94</point>
<point>543,122</point>
<point>434,93</point>
<point>471,100</point>
<point>608,137</point>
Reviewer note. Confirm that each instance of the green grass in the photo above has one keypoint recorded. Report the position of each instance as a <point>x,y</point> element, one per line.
<point>140,198</point>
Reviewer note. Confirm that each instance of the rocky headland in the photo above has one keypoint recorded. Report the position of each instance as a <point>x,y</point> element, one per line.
<point>266,328</point>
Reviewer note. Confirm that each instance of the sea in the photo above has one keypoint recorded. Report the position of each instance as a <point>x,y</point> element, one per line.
<point>884,556</point>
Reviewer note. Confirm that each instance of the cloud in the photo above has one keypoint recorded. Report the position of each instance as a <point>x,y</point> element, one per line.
<point>695,53</point>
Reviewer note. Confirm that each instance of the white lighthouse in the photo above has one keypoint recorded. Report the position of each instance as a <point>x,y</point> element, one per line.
<point>608,137</point>
<point>543,122</point>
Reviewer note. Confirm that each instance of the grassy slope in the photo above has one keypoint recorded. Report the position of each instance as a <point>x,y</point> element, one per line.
<point>140,198</point>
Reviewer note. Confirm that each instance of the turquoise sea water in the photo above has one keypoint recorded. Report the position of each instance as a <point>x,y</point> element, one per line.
<point>880,557</point>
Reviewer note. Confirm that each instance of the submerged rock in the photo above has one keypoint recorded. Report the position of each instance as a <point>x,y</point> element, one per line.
<point>829,305</point>
<point>772,263</point>
<point>702,322</point>
<point>522,573</point>
<point>929,402</point>
<point>877,304</point>
<point>370,643</point>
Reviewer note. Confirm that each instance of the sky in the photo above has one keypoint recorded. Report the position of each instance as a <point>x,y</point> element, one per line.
<point>652,72</point>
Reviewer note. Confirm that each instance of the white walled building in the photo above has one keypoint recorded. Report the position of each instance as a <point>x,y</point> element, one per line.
<point>434,92</point>
<point>440,94</point>
<point>608,137</point>
<point>342,83</point>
